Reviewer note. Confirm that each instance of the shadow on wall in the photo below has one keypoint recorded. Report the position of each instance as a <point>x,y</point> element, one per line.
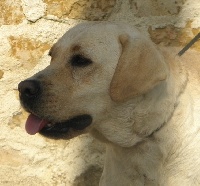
<point>90,177</point>
<point>156,8</point>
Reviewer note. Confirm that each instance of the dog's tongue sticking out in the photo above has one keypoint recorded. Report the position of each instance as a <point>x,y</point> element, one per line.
<point>34,124</point>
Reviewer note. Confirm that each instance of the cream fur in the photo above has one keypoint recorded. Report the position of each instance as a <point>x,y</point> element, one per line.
<point>151,133</point>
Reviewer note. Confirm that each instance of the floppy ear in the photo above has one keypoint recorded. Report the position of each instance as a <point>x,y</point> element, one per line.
<point>140,68</point>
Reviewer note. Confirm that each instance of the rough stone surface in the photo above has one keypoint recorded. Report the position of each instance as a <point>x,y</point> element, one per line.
<point>80,9</point>
<point>27,31</point>
<point>10,12</point>
<point>172,36</point>
<point>33,10</point>
<point>158,8</point>
<point>26,50</point>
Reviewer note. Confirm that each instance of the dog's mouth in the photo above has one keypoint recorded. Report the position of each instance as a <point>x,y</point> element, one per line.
<point>57,130</point>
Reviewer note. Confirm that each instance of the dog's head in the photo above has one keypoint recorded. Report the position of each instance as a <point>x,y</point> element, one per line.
<point>95,69</point>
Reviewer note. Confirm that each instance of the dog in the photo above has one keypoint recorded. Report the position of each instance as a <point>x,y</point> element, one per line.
<point>142,101</point>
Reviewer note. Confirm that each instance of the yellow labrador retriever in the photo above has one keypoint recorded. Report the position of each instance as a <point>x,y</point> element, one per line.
<point>109,80</point>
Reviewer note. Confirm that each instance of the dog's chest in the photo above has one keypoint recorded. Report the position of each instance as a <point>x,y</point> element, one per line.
<point>131,167</point>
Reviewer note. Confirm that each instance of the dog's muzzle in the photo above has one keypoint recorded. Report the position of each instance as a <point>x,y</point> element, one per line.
<point>30,92</point>
<point>29,89</point>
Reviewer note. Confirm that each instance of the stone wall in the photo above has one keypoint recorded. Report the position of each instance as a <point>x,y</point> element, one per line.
<point>28,28</point>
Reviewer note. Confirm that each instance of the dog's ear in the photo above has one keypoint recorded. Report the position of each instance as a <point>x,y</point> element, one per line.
<point>140,68</point>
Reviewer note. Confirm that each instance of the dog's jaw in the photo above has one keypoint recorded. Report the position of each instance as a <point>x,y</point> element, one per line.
<point>57,130</point>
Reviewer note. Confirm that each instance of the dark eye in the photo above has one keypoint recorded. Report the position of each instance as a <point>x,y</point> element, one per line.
<point>80,61</point>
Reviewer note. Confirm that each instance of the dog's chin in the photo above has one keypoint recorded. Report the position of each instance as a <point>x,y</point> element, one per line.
<point>67,129</point>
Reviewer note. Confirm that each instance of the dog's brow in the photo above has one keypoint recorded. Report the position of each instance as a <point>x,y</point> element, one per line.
<point>75,48</point>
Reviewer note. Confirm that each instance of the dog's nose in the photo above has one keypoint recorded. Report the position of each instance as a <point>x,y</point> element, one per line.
<point>29,88</point>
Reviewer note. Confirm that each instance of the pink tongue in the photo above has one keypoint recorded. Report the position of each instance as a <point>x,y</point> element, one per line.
<point>34,124</point>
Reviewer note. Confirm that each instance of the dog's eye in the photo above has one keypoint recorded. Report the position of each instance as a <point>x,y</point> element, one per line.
<point>80,61</point>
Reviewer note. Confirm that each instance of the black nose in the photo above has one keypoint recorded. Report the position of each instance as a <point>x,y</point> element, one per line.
<point>29,88</point>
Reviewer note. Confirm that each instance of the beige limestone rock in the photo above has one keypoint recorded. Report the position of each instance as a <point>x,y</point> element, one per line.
<point>158,8</point>
<point>1,74</point>
<point>172,36</point>
<point>80,9</point>
<point>11,12</point>
<point>27,50</point>
<point>33,10</point>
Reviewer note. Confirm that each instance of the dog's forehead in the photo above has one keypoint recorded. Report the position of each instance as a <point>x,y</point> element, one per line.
<point>89,34</point>
<point>93,40</point>
<point>96,40</point>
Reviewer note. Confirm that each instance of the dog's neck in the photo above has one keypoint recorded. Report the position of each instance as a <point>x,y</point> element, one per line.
<point>137,159</point>
<point>139,118</point>
<point>142,163</point>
